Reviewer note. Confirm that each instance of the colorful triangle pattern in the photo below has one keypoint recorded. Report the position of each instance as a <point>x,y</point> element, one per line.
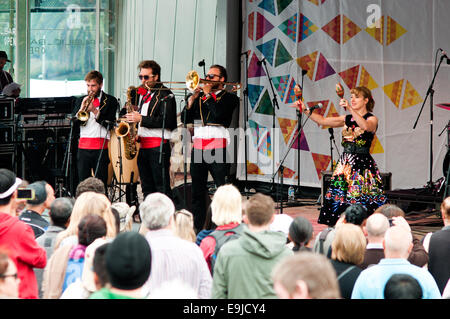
<point>376,147</point>
<point>308,63</point>
<point>265,105</point>
<point>331,113</point>
<point>394,91</point>
<point>306,28</point>
<point>324,69</point>
<point>321,163</point>
<point>333,29</point>
<point>350,76</point>
<point>253,169</point>
<point>287,172</point>
<point>255,70</point>
<point>254,91</point>
<point>377,33</point>
<point>291,98</point>
<point>300,143</point>
<point>268,49</point>
<point>282,55</point>
<point>281,84</point>
<point>350,29</point>
<point>287,127</point>
<point>367,80</point>
<point>263,26</point>
<point>282,4</point>
<point>268,5</point>
<point>322,110</point>
<point>411,96</point>
<point>394,30</point>
<point>289,27</point>
<point>251,25</point>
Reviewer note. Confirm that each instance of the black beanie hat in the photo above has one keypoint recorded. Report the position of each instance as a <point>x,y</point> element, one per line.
<point>128,261</point>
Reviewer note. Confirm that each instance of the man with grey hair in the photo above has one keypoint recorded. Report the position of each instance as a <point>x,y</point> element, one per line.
<point>173,258</point>
<point>397,245</point>
<point>44,197</point>
<point>376,227</point>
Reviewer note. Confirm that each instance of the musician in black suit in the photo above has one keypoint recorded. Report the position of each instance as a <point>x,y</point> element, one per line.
<point>101,109</point>
<point>154,129</point>
<point>212,107</point>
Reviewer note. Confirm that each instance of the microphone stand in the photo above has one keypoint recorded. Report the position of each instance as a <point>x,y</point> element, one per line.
<point>67,161</point>
<point>274,103</point>
<point>161,161</point>
<point>331,150</point>
<point>299,120</point>
<point>101,151</point>
<point>245,92</point>
<point>185,150</point>
<point>430,93</point>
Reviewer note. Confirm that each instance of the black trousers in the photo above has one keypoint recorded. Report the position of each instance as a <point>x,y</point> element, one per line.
<point>87,162</point>
<point>151,171</point>
<point>202,162</point>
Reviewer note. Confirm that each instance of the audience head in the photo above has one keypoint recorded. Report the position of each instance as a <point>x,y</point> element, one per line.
<point>90,184</point>
<point>305,275</point>
<point>184,225</point>
<point>9,282</point>
<point>349,244</point>
<point>355,214</point>
<point>8,187</point>
<point>445,210</point>
<point>402,286</point>
<point>44,195</point>
<point>116,214</point>
<point>259,210</point>
<point>90,228</point>
<point>300,231</point>
<point>376,226</point>
<point>60,211</point>
<point>93,276</point>
<point>226,205</point>
<point>156,211</point>
<point>125,215</point>
<point>99,266</point>
<point>397,242</point>
<point>128,261</point>
<point>390,210</point>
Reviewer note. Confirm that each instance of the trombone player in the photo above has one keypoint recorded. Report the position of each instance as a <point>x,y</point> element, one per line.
<point>95,113</point>
<point>212,107</point>
<point>153,98</point>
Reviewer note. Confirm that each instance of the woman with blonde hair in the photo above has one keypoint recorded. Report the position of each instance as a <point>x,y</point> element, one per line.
<point>184,225</point>
<point>87,203</point>
<point>347,251</point>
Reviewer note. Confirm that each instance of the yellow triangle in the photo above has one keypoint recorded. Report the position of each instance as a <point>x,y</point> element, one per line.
<point>394,91</point>
<point>331,113</point>
<point>253,169</point>
<point>377,30</point>
<point>367,80</point>
<point>287,127</point>
<point>394,30</point>
<point>376,147</point>
<point>411,97</point>
<point>308,62</point>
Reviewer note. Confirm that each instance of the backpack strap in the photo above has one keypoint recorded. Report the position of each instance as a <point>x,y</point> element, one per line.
<point>345,272</point>
<point>322,237</point>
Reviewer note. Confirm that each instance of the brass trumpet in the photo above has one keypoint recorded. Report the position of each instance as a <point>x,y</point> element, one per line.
<point>192,82</point>
<point>83,114</point>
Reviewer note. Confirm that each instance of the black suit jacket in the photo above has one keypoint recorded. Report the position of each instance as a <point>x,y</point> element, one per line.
<point>439,257</point>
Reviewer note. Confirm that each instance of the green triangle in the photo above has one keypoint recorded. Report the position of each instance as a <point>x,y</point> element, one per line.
<point>282,55</point>
<point>283,4</point>
<point>265,105</point>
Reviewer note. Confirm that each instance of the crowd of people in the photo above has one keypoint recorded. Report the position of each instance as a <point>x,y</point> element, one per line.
<point>86,248</point>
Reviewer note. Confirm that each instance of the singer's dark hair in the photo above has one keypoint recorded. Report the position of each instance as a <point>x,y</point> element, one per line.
<point>367,94</point>
<point>223,71</point>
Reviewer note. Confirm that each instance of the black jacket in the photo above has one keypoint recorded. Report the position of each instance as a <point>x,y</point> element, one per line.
<point>219,111</point>
<point>36,221</point>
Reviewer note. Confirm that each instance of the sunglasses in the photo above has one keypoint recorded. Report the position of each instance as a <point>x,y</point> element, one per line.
<point>12,275</point>
<point>212,76</point>
<point>146,77</point>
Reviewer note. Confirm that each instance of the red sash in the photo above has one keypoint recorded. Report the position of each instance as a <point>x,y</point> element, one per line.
<point>96,143</point>
<point>210,143</point>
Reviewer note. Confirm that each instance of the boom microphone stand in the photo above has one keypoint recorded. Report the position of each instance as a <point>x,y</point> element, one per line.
<point>245,122</point>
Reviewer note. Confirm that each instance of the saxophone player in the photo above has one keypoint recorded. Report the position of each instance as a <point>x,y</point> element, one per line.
<point>153,98</point>
<point>95,112</point>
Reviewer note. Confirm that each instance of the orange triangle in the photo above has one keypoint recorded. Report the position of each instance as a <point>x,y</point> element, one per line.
<point>308,62</point>
<point>367,80</point>
<point>394,91</point>
<point>331,113</point>
<point>287,127</point>
<point>350,29</point>
<point>394,30</point>
<point>376,147</point>
<point>411,96</point>
<point>321,162</point>
<point>253,169</point>
<point>287,173</point>
<point>350,76</point>
<point>375,32</point>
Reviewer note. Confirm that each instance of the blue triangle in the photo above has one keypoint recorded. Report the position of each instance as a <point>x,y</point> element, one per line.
<point>267,49</point>
<point>268,5</point>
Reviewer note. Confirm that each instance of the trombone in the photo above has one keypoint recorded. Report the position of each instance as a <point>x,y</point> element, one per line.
<point>192,82</point>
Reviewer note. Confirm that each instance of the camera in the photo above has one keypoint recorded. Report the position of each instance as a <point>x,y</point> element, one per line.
<point>25,193</point>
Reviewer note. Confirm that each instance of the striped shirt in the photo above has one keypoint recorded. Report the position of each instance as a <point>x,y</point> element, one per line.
<point>176,258</point>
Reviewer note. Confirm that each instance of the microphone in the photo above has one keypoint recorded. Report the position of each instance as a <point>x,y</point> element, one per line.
<point>168,97</point>
<point>444,55</point>
<point>330,130</point>
<point>201,63</point>
<point>317,106</point>
<point>261,62</point>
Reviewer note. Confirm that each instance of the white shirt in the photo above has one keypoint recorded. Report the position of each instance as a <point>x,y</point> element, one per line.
<point>152,132</point>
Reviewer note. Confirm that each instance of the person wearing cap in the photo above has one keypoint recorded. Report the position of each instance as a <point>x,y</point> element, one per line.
<point>44,197</point>
<point>128,264</point>
<point>18,238</point>
<point>5,77</point>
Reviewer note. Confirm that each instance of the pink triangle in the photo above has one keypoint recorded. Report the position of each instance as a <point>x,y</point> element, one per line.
<point>255,70</point>
<point>262,26</point>
<point>324,69</point>
<point>303,145</point>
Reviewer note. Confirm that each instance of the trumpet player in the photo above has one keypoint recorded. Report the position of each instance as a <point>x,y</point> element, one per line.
<point>153,129</point>
<point>95,113</point>
<point>212,107</point>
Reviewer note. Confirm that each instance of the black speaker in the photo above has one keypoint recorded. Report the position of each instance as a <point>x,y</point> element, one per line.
<point>7,159</point>
<point>6,109</point>
<point>326,178</point>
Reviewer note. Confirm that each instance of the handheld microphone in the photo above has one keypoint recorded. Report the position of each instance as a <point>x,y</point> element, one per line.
<point>330,130</point>
<point>201,63</point>
<point>312,108</point>
<point>168,97</point>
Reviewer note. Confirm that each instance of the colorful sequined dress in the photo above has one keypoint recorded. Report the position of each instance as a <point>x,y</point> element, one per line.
<point>356,178</point>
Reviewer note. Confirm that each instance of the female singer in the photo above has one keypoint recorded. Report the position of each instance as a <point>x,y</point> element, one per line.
<point>356,178</point>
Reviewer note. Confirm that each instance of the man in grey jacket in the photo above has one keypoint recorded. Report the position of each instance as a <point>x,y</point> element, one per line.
<point>243,267</point>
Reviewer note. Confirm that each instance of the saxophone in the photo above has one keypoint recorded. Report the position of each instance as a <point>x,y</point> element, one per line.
<point>128,131</point>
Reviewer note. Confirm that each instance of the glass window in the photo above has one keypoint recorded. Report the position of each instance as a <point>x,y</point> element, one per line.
<point>64,43</point>
<point>7,32</point>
